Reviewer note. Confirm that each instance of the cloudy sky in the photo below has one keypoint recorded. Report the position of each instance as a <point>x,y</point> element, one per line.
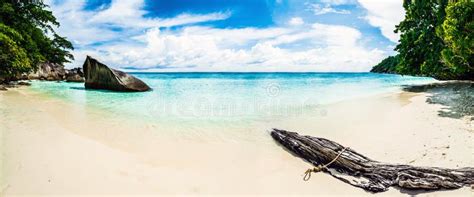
<point>230,35</point>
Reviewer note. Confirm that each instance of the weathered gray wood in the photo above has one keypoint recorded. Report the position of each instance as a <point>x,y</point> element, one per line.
<point>360,171</point>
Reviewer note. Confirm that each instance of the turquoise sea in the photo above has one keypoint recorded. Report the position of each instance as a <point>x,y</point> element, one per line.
<point>229,97</point>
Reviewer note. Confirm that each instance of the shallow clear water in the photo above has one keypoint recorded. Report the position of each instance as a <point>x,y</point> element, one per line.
<point>223,97</point>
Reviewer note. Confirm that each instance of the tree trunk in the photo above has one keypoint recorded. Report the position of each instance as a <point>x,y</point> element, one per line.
<point>360,171</point>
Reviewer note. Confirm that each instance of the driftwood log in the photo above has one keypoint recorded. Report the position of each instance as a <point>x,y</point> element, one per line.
<point>360,171</point>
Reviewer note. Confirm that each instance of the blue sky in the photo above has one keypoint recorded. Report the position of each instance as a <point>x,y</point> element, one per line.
<point>231,35</point>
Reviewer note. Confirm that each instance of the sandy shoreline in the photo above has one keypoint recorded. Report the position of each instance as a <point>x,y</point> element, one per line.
<point>48,151</point>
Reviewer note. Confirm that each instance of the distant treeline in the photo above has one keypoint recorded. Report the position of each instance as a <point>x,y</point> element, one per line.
<point>436,39</point>
<point>27,37</point>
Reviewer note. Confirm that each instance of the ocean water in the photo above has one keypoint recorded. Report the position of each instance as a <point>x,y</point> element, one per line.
<point>229,97</point>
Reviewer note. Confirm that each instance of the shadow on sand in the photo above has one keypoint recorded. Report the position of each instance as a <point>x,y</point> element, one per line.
<point>457,97</point>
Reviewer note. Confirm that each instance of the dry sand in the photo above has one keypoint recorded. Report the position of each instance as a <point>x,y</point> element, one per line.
<point>49,147</point>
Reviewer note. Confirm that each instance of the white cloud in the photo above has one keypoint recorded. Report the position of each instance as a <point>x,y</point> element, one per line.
<point>319,9</point>
<point>142,44</point>
<point>338,2</point>
<point>87,27</point>
<point>385,15</point>
<point>296,21</point>
<point>130,14</point>
<point>335,48</point>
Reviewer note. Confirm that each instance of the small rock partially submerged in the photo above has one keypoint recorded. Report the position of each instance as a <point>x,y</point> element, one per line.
<point>13,84</point>
<point>24,83</point>
<point>99,76</point>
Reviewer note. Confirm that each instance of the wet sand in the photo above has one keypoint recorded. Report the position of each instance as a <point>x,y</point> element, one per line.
<point>50,147</point>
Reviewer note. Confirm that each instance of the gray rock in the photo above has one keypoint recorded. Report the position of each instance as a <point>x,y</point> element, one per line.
<point>48,71</point>
<point>99,76</point>
<point>11,84</point>
<point>75,78</point>
<point>74,75</point>
<point>24,83</point>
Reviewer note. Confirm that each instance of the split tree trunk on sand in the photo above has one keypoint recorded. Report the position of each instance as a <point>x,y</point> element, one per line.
<point>360,171</point>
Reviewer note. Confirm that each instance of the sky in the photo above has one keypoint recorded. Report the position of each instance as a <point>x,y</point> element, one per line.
<point>230,35</point>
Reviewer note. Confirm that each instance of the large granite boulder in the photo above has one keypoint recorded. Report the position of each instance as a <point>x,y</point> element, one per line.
<point>99,76</point>
<point>47,71</point>
<point>74,75</point>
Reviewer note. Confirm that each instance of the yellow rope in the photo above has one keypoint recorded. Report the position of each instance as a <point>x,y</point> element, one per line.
<point>319,168</point>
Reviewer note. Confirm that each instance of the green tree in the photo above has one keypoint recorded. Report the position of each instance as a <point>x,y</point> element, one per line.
<point>436,39</point>
<point>388,65</point>
<point>13,58</point>
<point>37,38</point>
<point>420,47</point>
<point>457,32</point>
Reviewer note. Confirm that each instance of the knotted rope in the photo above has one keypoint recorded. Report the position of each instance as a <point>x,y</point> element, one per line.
<point>319,168</point>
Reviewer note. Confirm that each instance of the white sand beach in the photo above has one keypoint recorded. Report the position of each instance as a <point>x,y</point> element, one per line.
<point>50,147</point>
<point>236,98</point>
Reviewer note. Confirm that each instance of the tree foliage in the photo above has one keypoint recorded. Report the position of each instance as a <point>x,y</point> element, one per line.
<point>13,58</point>
<point>419,46</point>
<point>457,32</point>
<point>388,65</point>
<point>27,37</point>
<point>436,39</point>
